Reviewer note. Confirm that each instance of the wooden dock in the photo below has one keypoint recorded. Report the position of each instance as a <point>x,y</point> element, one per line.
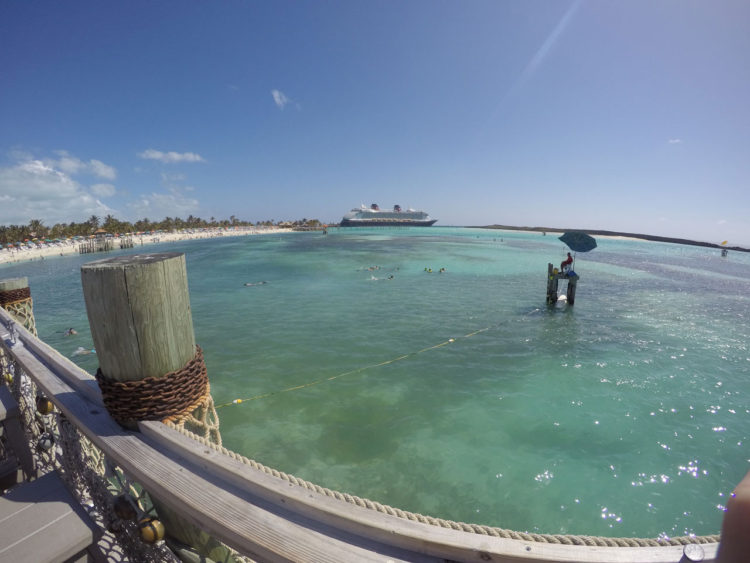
<point>99,244</point>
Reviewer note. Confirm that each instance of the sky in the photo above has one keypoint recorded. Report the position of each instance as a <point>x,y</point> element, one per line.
<point>628,116</point>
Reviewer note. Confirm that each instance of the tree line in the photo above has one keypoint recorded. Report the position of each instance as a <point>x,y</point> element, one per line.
<point>36,229</point>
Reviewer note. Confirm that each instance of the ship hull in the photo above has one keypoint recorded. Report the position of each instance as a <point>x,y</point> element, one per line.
<point>386,223</point>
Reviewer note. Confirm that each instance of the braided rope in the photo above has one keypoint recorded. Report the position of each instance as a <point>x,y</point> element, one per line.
<point>561,539</point>
<point>156,398</point>
<point>21,309</point>
<point>13,295</point>
<point>199,418</point>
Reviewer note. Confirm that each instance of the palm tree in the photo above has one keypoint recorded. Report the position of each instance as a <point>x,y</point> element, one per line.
<point>36,228</point>
<point>110,224</point>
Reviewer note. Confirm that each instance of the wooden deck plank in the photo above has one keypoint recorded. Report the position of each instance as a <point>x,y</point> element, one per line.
<point>40,521</point>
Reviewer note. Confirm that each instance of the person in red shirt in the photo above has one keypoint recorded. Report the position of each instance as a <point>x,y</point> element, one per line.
<point>566,263</point>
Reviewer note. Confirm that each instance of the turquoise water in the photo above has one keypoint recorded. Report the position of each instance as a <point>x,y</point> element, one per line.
<point>461,394</point>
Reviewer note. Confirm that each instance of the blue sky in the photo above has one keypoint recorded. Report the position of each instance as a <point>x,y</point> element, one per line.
<point>622,115</point>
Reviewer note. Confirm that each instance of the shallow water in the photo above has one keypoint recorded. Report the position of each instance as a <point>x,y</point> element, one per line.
<point>461,394</point>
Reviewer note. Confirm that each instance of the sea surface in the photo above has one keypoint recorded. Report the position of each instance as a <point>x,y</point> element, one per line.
<point>461,394</point>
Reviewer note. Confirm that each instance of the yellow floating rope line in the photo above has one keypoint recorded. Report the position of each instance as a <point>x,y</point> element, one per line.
<point>359,370</point>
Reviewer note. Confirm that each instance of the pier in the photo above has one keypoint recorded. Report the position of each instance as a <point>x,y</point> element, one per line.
<point>99,244</point>
<point>149,480</point>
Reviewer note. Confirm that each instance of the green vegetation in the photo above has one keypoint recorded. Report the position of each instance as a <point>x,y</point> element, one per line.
<point>37,230</point>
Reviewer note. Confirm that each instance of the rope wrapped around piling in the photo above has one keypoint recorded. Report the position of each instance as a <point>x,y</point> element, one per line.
<point>156,398</point>
<point>10,296</point>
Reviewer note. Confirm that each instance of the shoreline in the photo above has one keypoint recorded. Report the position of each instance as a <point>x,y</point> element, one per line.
<point>40,252</point>
<point>18,255</point>
<point>616,235</point>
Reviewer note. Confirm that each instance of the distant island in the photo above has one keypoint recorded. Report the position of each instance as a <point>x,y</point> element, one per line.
<point>617,234</point>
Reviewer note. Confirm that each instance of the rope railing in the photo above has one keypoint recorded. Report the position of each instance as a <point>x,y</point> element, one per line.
<point>561,539</point>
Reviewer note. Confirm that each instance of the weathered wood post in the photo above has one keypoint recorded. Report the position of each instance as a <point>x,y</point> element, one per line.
<point>571,294</point>
<point>141,323</point>
<point>551,285</point>
<point>15,297</point>
<point>139,311</point>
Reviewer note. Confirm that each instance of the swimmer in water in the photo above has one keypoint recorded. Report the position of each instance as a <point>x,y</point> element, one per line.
<point>71,331</point>
<point>81,351</point>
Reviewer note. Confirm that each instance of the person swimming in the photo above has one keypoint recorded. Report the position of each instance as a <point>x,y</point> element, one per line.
<point>81,351</point>
<point>71,331</point>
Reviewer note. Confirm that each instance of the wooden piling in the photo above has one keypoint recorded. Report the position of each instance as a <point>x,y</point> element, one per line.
<point>552,281</point>
<point>139,312</point>
<point>571,293</point>
<point>15,297</point>
<point>13,283</point>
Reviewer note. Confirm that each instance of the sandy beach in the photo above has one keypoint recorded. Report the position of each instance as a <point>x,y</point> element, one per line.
<point>42,251</point>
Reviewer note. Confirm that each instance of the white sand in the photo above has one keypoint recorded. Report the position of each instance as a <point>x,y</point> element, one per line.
<point>10,255</point>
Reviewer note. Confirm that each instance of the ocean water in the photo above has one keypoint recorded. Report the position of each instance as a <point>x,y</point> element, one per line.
<point>461,394</point>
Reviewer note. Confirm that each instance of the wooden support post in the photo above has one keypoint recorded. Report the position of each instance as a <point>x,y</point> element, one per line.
<point>551,285</point>
<point>12,292</point>
<point>571,294</point>
<point>13,283</point>
<point>139,312</point>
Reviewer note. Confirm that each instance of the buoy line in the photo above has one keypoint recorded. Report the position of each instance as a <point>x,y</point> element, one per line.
<point>364,368</point>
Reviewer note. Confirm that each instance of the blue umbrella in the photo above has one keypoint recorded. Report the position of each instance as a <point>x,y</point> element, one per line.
<point>578,241</point>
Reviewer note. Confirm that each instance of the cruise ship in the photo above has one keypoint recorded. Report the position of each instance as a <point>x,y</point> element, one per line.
<point>373,216</point>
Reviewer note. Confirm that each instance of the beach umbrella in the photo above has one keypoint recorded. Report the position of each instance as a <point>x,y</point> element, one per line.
<point>578,241</point>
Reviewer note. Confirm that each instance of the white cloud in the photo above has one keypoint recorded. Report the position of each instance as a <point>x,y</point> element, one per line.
<point>68,164</point>
<point>103,190</point>
<point>102,170</point>
<point>675,141</point>
<point>73,165</point>
<point>170,157</point>
<point>279,98</point>
<point>45,190</point>
<point>282,100</point>
<point>156,206</point>
<point>168,179</point>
